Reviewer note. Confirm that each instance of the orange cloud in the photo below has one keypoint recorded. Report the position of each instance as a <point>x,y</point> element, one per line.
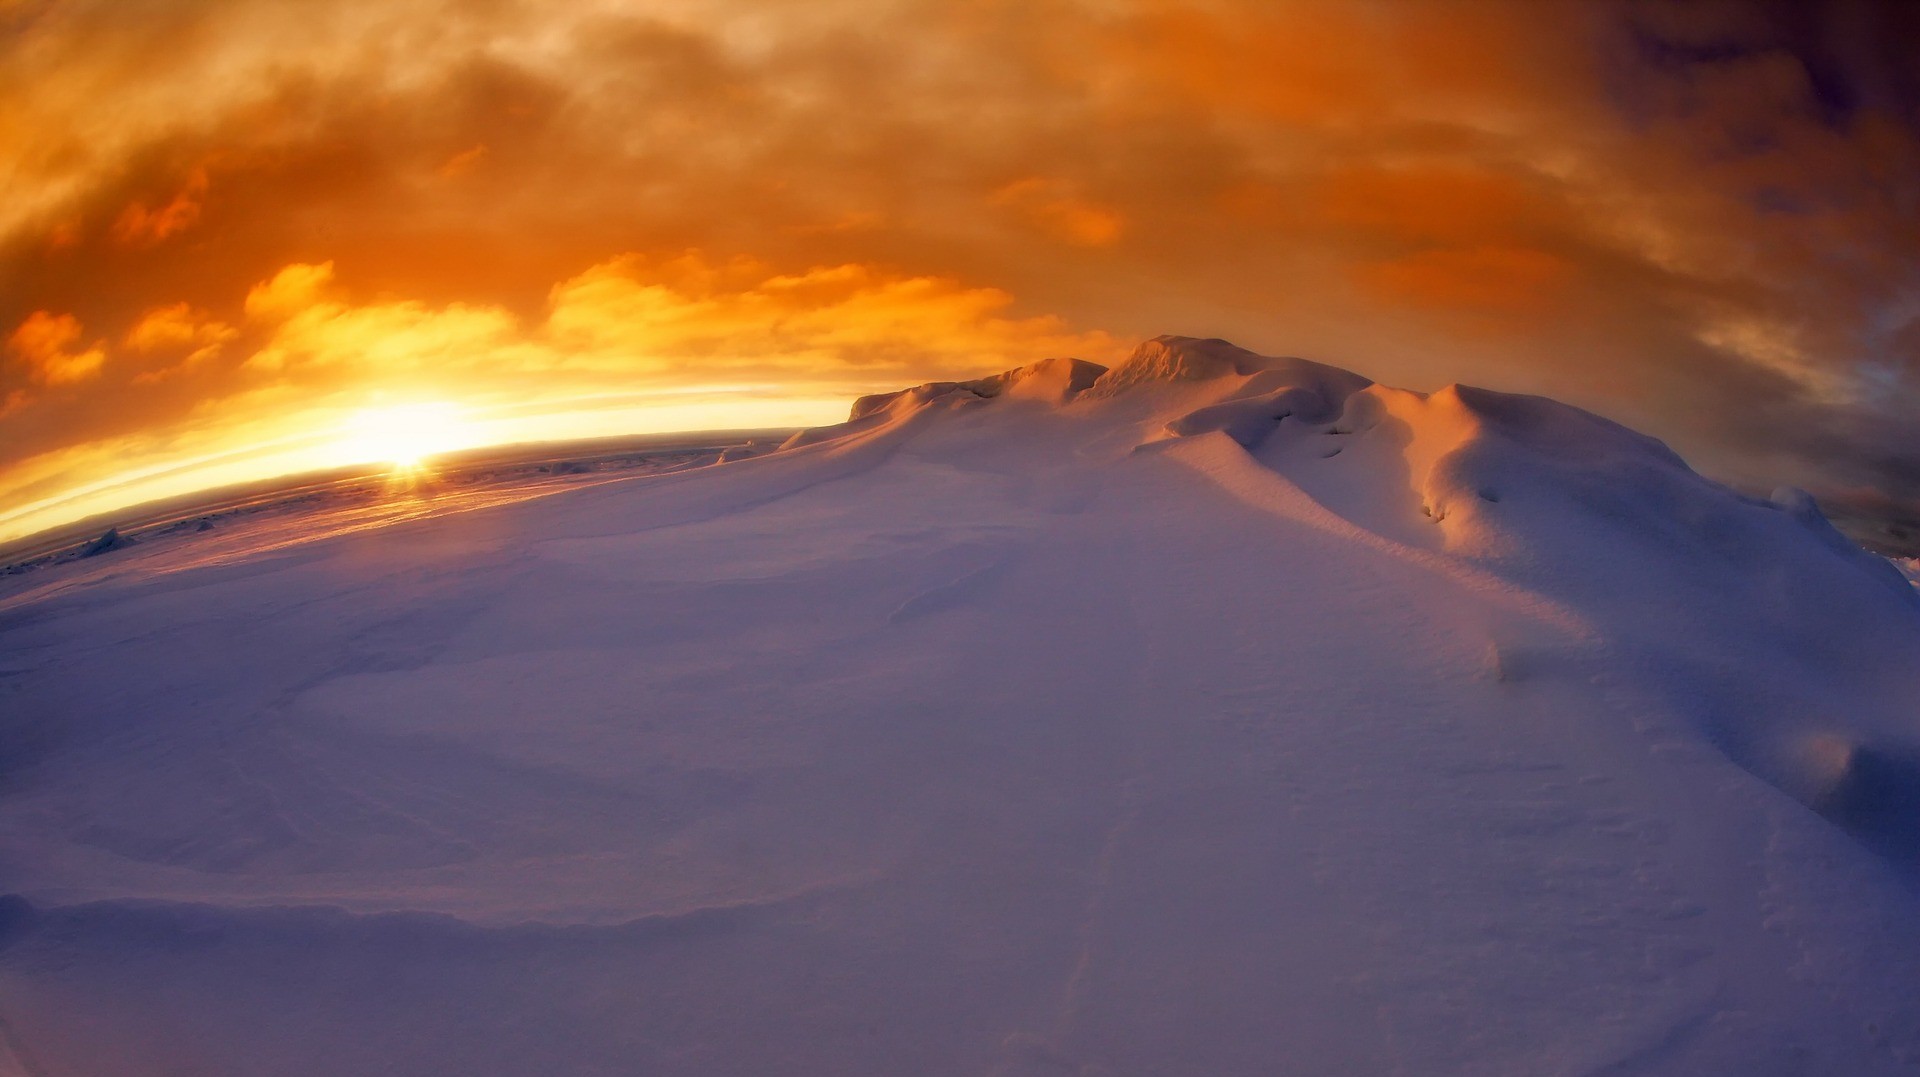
<point>46,344</point>
<point>1435,203</point>
<point>180,330</point>
<point>1508,281</point>
<point>1052,205</point>
<point>139,226</point>
<point>692,314</point>
<point>388,340</point>
<point>1297,63</point>
<point>293,289</point>
<point>463,162</point>
<point>1348,64</point>
<point>686,318</point>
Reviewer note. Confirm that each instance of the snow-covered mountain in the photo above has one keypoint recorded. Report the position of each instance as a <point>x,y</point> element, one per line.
<point>1214,714</point>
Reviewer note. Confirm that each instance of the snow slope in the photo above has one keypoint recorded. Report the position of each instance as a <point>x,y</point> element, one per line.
<point>1216,714</point>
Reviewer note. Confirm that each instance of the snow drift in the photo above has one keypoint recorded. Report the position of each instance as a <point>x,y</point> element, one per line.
<point>1215,713</point>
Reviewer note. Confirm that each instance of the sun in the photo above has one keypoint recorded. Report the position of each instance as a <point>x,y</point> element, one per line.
<point>404,436</point>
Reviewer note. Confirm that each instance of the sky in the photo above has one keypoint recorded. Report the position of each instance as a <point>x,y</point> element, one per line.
<point>254,237</point>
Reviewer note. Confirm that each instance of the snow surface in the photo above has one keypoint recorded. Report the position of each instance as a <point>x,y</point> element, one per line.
<point>1222,715</point>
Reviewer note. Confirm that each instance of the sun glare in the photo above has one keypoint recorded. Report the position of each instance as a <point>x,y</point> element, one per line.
<point>404,436</point>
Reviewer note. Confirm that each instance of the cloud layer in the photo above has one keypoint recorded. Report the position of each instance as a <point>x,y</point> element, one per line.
<point>225,219</point>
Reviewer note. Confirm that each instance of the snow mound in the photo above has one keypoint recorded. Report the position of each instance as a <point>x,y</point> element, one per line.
<point>1571,507</point>
<point>1211,714</point>
<point>108,542</point>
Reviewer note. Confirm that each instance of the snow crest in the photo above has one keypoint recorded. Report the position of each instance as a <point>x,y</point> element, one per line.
<point>1053,381</point>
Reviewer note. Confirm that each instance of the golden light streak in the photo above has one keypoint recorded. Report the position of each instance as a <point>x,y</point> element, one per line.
<point>322,440</point>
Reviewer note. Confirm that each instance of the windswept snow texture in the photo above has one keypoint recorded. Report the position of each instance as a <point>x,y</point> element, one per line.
<point>1217,714</point>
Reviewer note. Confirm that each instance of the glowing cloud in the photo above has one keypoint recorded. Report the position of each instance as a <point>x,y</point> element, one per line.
<point>139,226</point>
<point>293,289</point>
<point>194,336</point>
<point>1053,206</point>
<point>47,345</point>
